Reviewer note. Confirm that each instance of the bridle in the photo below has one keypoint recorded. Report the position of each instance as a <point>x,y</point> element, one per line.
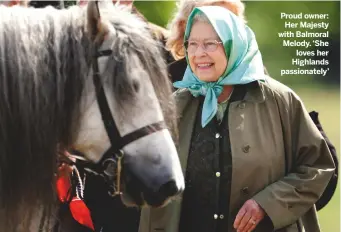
<point>110,165</point>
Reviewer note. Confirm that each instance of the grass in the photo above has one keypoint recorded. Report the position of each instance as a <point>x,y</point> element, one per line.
<point>326,101</point>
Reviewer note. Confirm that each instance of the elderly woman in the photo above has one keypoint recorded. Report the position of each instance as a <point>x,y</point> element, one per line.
<point>253,158</point>
<point>177,26</point>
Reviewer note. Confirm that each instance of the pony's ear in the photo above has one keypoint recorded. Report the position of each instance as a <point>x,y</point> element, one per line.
<point>95,26</point>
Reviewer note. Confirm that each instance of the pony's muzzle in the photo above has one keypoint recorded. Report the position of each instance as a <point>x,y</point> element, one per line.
<point>162,197</point>
<point>138,192</point>
<point>156,185</point>
<point>170,189</point>
<point>156,168</point>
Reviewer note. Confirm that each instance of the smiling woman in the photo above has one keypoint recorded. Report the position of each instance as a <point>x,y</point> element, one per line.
<point>249,167</point>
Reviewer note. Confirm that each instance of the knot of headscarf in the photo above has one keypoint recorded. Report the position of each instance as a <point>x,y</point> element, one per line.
<point>244,59</point>
<point>211,91</point>
<point>205,88</point>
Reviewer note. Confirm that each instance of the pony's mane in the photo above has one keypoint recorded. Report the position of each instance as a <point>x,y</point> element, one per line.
<point>40,49</point>
<point>44,64</point>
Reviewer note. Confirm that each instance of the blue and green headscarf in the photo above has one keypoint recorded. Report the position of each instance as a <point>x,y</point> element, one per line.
<point>245,63</point>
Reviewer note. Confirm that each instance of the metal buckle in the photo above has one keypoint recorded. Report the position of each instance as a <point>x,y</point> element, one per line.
<point>112,169</point>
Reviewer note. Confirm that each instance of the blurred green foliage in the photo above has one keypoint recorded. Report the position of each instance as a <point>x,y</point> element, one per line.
<point>69,3</point>
<point>264,18</point>
<point>158,12</point>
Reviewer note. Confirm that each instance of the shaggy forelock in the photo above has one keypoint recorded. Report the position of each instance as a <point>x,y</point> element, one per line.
<point>134,48</point>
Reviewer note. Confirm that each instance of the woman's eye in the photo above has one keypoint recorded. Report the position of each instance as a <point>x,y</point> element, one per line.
<point>192,44</point>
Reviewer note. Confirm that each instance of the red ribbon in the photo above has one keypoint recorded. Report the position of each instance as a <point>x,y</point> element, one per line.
<point>80,212</point>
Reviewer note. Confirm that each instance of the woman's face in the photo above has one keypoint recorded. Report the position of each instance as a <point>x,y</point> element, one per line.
<point>205,52</point>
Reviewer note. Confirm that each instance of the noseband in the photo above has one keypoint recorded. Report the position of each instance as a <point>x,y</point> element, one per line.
<point>110,165</point>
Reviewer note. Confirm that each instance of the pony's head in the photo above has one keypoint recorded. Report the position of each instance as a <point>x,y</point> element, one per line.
<point>136,87</point>
<point>49,102</point>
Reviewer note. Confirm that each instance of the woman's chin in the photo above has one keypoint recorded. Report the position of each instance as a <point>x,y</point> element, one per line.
<point>207,78</point>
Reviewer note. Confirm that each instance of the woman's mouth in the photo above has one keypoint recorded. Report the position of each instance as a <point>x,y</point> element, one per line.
<point>204,66</point>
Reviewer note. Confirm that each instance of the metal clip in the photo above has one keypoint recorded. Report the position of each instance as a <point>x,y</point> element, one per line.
<point>117,186</point>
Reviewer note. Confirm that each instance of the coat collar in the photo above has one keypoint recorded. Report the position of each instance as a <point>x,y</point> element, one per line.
<point>182,97</point>
<point>255,92</point>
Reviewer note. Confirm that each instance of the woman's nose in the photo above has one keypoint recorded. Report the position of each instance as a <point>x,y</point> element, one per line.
<point>200,51</point>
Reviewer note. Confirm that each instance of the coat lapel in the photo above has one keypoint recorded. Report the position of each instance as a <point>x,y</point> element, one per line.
<point>187,107</point>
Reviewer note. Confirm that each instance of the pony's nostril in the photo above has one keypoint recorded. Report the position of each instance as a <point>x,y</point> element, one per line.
<point>169,189</point>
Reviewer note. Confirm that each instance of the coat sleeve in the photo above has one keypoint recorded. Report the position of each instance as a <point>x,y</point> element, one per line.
<point>308,162</point>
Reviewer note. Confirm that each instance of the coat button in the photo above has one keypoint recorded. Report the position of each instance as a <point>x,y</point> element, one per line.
<point>241,105</point>
<point>215,216</point>
<point>246,148</point>
<point>245,190</point>
<point>217,135</point>
<point>217,174</point>
<point>221,216</point>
